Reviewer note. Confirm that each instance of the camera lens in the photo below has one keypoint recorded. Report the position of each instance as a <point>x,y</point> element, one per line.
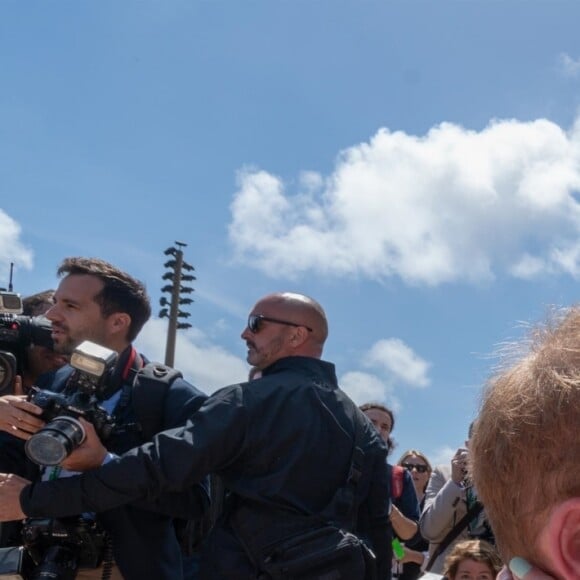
<point>58,563</point>
<point>55,441</point>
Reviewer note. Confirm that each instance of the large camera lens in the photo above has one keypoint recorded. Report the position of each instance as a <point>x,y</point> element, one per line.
<point>55,441</point>
<point>58,563</point>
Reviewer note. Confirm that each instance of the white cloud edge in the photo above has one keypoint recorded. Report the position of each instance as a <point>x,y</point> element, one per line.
<point>569,66</point>
<point>453,205</point>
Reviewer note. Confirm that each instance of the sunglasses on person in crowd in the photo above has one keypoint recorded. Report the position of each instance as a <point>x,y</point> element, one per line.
<point>255,322</point>
<point>417,467</point>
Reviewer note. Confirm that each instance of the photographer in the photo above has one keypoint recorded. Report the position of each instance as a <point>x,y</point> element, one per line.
<point>36,363</point>
<point>449,496</point>
<point>26,338</point>
<point>97,302</point>
<point>39,360</point>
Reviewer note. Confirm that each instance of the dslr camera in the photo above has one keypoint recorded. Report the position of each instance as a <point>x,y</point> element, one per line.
<point>84,391</point>
<point>17,332</point>
<point>55,548</point>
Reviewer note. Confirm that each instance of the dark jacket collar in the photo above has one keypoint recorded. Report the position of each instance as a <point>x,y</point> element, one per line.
<point>305,364</point>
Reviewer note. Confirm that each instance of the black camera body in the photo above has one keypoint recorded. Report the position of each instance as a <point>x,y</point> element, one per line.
<point>56,549</point>
<point>59,547</point>
<point>85,390</point>
<point>17,332</point>
<point>78,404</point>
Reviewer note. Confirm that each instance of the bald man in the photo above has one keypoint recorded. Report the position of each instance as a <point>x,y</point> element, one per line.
<point>282,443</point>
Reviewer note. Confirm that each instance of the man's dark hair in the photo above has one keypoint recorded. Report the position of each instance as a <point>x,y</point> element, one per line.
<point>373,405</point>
<point>37,304</point>
<point>120,293</point>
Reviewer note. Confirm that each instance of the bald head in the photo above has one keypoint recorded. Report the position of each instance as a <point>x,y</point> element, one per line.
<point>287,324</point>
<point>303,310</point>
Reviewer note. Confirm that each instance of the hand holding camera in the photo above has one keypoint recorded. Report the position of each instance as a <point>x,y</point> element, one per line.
<point>459,466</point>
<point>66,414</point>
<point>90,454</point>
<point>17,416</point>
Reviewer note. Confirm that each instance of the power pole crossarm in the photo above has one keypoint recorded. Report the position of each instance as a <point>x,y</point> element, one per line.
<point>176,265</point>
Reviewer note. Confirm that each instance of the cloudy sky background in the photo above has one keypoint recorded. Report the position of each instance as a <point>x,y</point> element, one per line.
<point>416,168</point>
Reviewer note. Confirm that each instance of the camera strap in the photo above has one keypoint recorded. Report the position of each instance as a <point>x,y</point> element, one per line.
<point>150,388</point>
<point>472,512</point>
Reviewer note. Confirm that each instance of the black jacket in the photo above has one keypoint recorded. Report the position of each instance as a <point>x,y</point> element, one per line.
<point>284,441</point>
<point>144,541</point>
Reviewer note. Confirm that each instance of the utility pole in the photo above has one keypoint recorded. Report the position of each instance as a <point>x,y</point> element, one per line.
<point>171,308</point>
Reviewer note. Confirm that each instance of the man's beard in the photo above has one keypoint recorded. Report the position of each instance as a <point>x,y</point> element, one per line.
<point>66,346</point>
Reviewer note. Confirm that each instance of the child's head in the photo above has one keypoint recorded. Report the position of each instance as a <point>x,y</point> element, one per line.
<point>472,560</point>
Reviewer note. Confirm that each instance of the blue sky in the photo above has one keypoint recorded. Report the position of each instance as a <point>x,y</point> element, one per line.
<point>414,166</point>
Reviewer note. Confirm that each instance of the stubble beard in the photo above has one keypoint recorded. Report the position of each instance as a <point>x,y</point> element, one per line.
<point>66,346</point>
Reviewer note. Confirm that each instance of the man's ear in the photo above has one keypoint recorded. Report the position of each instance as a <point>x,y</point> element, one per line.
<point>119,323</point>
<point>299,335</point>
<point>560,539</point>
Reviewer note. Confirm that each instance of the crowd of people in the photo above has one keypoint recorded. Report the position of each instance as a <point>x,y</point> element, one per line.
<point>266,478</point>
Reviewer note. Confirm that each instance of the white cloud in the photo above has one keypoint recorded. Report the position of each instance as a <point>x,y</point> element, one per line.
<point>398,359</point>
<point>453,205</point>
<point>442,456</point>
<point>528,267</point>
<point>311,180</point>
<point>206,365</point>
<point>11,248</point>
<point>570,67</point>
<point>365,387</point>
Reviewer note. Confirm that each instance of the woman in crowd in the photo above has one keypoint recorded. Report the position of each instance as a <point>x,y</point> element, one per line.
<point>419,467</point>
<point>472,560</point>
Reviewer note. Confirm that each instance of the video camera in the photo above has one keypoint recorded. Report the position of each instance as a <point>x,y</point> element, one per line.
<point>85,389</point>
<point>17,332</point>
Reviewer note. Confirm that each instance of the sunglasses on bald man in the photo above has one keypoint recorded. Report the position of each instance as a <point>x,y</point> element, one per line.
<point>255,322</point>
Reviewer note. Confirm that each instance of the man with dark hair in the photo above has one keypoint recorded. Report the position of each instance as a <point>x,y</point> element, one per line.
<point>405,505</point>
<point>282,443</point>
<point>97,302</point>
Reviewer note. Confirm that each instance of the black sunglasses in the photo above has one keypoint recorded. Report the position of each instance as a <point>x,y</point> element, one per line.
<point>255,322</point>
<point>418,468</point>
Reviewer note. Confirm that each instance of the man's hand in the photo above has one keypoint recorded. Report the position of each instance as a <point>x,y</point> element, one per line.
<point>17,416</point>
<point>10,487</point>
<point>459,465</point>
<point>90,454</point>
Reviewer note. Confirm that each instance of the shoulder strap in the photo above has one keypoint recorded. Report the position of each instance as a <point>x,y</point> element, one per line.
<point>251,522</point>
<point>472,512</point>
<point>341,509</point>
<point>148,396</point>
<point>344,501</point>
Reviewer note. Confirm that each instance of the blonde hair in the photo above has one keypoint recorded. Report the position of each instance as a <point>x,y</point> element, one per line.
<point>525,446</point>
<point>415,453</point>
<point>418,454</point>
<point>477,550</point>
